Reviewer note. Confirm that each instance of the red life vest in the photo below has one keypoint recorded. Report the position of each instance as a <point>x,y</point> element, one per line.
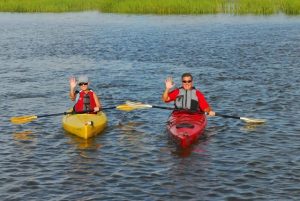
<point>85,101</point>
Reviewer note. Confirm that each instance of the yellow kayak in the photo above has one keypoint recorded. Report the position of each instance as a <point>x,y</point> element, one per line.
<point>84,125</point>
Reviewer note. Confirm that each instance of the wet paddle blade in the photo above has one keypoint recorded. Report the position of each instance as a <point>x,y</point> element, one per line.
<point>138,105</point>
<point>22,119</point>
<point>129,106</point>
<point>125,107</point>
<point>252,120</point>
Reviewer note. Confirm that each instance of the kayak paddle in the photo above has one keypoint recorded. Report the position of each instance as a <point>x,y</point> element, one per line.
<point>29,118</point>
<point>245,119</point>
<point>138,105</point>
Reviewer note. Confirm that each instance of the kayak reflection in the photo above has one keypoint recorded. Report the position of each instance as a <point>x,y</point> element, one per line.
<point>23,135</point>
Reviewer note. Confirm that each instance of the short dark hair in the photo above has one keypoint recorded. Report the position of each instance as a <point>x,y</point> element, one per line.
<point>186,75</point>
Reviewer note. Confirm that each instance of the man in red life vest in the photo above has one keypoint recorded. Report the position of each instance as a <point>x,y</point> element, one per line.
<point>186,97</point>
<point>85,99</point>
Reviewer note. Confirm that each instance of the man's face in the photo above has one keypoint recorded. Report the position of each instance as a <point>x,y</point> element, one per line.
<point>187,83</point>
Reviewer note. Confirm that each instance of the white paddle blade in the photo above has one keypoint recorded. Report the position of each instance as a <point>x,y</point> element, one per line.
<point>129,106</point>
<point>253,121</point>
<point>138,105</point>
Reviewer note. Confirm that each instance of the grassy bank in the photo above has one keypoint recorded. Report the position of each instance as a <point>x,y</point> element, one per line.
<point>260,7</point>
<point>48,5</point>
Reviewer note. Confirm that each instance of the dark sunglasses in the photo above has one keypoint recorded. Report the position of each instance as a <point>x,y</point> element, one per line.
<point>186,81</point>
<point>83,83</point>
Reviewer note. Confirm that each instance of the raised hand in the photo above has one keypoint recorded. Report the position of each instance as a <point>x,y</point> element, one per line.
<point>73,82</point>
<point>169,83</point>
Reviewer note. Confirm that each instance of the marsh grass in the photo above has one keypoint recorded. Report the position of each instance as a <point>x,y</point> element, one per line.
<point>166,6</point>
<point>48,5</point>
<point>267,7</point>
<point>162,7</point>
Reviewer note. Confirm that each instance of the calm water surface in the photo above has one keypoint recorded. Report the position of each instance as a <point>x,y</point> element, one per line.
<point>246,66</point>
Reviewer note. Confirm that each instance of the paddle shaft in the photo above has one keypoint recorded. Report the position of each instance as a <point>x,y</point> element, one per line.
<point>161,107</point>
<point>141,106</point>
<point>166,108</point>
<point>50,115</point>
<point>170,108</point>
<point>227,116</point>
<point>217,114</point>
<point>65,113</point>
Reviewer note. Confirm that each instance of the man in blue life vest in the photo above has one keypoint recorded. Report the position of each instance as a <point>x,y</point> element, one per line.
<point>186,97</point>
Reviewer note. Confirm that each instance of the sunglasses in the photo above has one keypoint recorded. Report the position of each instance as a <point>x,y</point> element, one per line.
<point>186,81</point>
<point>83,83</point>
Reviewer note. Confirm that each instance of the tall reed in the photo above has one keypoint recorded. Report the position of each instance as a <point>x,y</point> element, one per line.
<point>48,5</point>
<point>266,7</point>
<point>162,7</point>
<point>290,7</point>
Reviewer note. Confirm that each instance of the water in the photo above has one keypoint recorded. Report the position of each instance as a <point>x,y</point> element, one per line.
<point>246,66</point>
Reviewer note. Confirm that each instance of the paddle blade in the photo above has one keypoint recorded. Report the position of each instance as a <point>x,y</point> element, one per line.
<point>129,106</point>
<point>138,105</point>
<point>125,107</point>
<point>22,119</point>
<point>253,121</point>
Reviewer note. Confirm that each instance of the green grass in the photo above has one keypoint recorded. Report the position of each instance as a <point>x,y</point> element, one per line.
<point>161,7</point>
<point>266,7</point>
<point>256,7</point>
<point>164,6</point>
<point>48,5</point>
<point>290,7</point>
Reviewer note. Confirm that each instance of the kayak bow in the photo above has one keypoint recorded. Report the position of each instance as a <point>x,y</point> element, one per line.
<point>185,127</point>
<point>84,125</point>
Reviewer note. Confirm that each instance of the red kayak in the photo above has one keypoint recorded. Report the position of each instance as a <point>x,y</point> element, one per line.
<point>186,127</point>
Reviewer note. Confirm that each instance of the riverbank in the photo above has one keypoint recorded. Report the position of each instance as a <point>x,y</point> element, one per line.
<point>162,7</point>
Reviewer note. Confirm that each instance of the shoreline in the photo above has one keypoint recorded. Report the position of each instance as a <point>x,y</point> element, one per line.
<point>155,7</point>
